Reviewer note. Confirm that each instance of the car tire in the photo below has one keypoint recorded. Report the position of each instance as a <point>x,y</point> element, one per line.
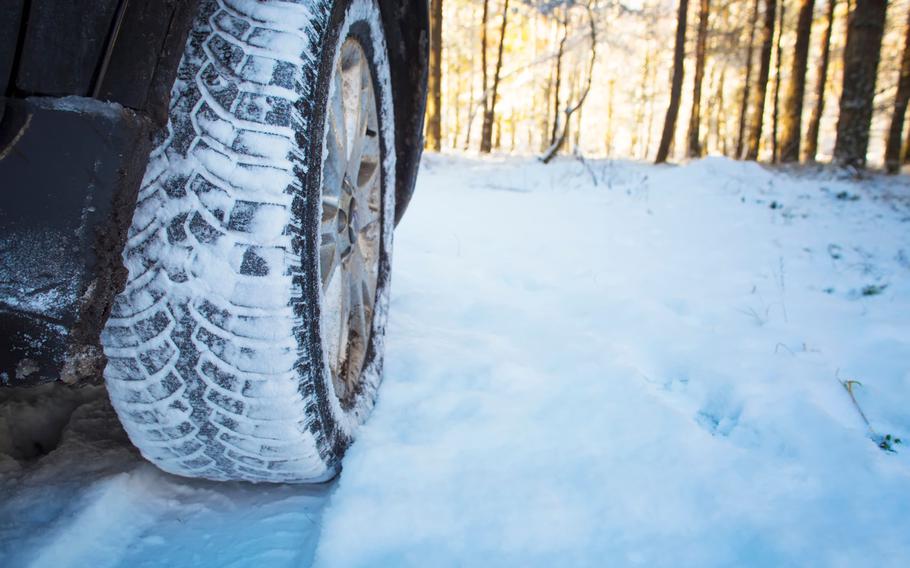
<point>232,355</point>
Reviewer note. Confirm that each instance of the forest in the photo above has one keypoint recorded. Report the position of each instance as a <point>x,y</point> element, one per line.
<point>779,81</point>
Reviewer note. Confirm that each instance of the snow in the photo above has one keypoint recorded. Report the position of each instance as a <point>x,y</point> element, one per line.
<point>81,105</point>
<point>645,370</point>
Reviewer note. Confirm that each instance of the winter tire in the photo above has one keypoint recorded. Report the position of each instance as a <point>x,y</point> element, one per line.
<point>247,344</point>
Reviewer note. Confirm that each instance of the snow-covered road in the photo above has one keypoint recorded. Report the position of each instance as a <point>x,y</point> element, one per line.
<point>610,364</point>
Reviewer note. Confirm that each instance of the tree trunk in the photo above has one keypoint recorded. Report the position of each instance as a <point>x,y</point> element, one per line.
<point>694,146</point>
<point>893,147</point>
<point>821,82</point>
<point>721,115</point>
<point>546,138</point>
<point>472,105</point>
<point>775,115</point>
<point>608,139</point>
<point>861,55</point>
<point>558,82</point>
<point>573,107</point>
<point>649,109</point>
<point>576,140</point>
<point>679,53</point>
<point>791,124</point>
<point>484,85</point>
<point>758,108</point>
<point>718,115</point>
<point>641,103</point>
<point>434,81</point>
<point>711,112</point>
<point>747,85</point>
<point>486,138</point>
<point>459,88</point>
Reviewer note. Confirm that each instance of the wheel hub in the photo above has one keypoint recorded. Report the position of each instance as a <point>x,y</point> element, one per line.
<point>350,232</point>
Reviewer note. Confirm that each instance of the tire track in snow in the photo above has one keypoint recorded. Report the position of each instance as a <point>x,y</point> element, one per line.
<point>93,501</point>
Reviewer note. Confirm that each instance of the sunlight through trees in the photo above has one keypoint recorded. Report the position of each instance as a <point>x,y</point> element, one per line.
<point>757,79</point>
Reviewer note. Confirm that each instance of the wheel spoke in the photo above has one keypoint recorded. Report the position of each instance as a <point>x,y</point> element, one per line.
<point>368,292</point>
<point>328,261</point>
<point>346,307</point>
<point>351,61</point>
<point>334,168</point>
<point>369,289</point>
<point>328,229</point>
<point>358,145</point>
<point>358,307</point>
<point>338,121</point>
<point>330,207</point>
<point>368,170</point>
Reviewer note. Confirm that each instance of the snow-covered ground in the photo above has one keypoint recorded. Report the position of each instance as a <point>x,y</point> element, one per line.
<point>588,365</point>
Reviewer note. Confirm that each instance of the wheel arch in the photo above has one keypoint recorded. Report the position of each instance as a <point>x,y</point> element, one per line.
<point>407,28</point>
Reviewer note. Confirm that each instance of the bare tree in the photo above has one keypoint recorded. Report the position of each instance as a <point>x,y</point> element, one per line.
<point>546,135</point>
<point>906,150</point>
<point>791,122</point>
<point>459,88</point>
<point>715,112</point>
<point>608,138</point>
<point>557,85</point>
<point>721,115</point>
<point>649,126</point>
<point>747,83</point>
<point>489,110</point>
<point>679,55</point>
<point>484,85</point>
<point>694,143</point>
<point>821,81</point>
<point>893,146</point>
<point>642,99</point>
<point>775,115</point>
<point>571,109</point>
<point>434,81</point>
<point>483,69</point>
<point>758,108</point>
<point>861,56</point>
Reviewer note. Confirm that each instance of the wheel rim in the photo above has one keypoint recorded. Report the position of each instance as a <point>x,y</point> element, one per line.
<point>350,231</point>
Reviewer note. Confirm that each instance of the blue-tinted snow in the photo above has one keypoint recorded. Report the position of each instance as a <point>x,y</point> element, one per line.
<point>645,371</point>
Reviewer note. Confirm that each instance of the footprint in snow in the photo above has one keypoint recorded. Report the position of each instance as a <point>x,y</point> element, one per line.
<point>719,415</point>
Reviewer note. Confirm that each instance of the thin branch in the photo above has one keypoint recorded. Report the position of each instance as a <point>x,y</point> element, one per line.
<point>571,109</point>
